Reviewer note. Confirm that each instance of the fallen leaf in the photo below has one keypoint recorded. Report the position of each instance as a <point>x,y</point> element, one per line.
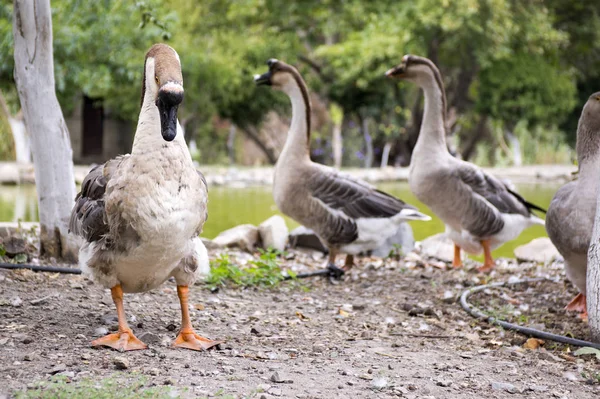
<point>199,306</point>
<point>587,351</point>
<point>343,313</point>
<point>301,316</point>
<point>533,343</point>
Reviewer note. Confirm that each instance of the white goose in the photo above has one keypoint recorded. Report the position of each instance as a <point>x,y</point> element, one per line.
<point>347,214</point>
<point>480,212</point>
<point>140,214</point>
<point>570,219</point>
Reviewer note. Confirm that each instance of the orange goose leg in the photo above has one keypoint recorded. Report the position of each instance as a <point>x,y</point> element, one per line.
<point>488,263</point>
<point>579,304</point>
<point>457,262</point>
<point>187,337</point>
<point>349,263</point>
<point>124,340</point>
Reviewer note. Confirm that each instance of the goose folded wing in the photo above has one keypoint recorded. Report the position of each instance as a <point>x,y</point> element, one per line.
<point>88,217</point>
<point>488,199</point>
<point>354,198</point>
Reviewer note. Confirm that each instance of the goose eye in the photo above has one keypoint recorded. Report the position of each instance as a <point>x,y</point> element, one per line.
<point>156,80</point>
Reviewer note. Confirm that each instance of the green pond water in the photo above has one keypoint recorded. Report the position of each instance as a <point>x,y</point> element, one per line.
<point>229,207</point>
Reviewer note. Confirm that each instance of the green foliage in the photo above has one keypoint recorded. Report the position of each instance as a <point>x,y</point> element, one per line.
<point>108,388</point>
<point>261,272</point>
<point>588,351</point>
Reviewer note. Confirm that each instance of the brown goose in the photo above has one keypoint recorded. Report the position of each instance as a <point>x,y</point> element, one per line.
<point>347,214</point>
<point>479,211</point>
<point>140,214</point>
<point>570,218</point>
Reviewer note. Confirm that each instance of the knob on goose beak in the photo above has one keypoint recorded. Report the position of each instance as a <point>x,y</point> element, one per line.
<point>170,95</point>
<point>265,78</point>
<point>395,72</point>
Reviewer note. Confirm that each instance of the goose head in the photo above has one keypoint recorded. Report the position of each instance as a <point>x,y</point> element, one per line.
<point>590,117</point>
<point>280,76</point>
<point>163,85</point>
<point>414,69</point>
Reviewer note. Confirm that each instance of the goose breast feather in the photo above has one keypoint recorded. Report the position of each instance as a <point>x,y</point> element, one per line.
<point>489,198</point>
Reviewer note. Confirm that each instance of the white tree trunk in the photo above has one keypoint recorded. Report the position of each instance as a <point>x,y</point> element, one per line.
<point>19,133</point>
<point>385,155</point>
<point>515,148</point>
<point>52,154</point>
<point>368,143</point>
<point>231,143</point>
<point>593,278</point>
<point>337,144</point>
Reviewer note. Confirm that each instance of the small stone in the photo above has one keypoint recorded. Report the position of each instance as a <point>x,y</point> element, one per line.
<point>570,376</point>
<point>68,374</point>
<point>169,381</point>
<point>538,388</point>
<point>27,340</point>
<point>379,383</point>
<point>171,327</point>
<point>59,368</point>
<point>150,338</point>
<point>121,363</point>
<point>86,356</point>
<point>504,386</point>
<point>100,331</point>
<point>16,302</point>
<point>29,357</point>
<point>443,383</point>
<point>275,391</point>
<point>449,297</point>
<point>154,371</point>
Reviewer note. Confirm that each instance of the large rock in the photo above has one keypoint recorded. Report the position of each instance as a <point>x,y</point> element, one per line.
<point>274,233</point>
<point>402,240</point>
<point>244,236</point>
<point>303,237</point>
<point>19,229</point>
<point>539,250</point>
<point>438,246</point>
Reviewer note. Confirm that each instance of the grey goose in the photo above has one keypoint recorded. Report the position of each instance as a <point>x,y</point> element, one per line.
<point>480,212</point>
<point>571,214</point>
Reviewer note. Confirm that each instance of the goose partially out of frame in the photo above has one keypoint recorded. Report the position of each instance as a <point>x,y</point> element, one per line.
<point>571,214</point>
<point>347,214</point>
<point>480,212</point>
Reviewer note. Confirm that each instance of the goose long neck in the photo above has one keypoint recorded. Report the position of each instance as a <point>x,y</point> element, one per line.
<point>588,149</point>
<point>297,144</point>
<point>432,137</point>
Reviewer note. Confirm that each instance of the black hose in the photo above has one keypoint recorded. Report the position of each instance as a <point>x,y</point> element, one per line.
<point>532,332</point>
<point>35,268</point>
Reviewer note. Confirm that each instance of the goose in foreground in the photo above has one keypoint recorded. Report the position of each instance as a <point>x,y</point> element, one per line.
<point>347,214</point>
<point>571,214</point>
<point>140,214</point>
<point>480,212</point>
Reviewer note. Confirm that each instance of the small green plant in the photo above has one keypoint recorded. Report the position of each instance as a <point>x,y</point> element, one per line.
<point>2,250</point>
<point>264,271</point>
<point>396,252</point>
<point>61,387</point>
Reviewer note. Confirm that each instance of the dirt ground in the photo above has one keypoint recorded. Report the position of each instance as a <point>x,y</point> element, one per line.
<point>390,329</point>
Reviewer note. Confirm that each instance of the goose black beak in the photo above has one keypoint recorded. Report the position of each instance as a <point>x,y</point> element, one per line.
<point>264,79</point>
<point>170,96</point>
<point>395,72</point>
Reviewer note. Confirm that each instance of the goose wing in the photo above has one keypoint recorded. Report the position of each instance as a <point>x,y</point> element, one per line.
<point>356,199</point>
<point>489,198</point>
<point>88,217</point>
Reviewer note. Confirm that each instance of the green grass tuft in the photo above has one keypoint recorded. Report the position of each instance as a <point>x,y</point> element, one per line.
<point>61,387</point>
<point>264,271</point>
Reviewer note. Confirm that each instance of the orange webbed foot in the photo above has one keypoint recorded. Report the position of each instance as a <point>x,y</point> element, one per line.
<point>487,267</point>
<point>579,304</point>
<point>188,339</point>
<point>121,341</point>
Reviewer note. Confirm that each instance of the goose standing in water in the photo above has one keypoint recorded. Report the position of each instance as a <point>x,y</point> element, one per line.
<point>570,218</point>
<point>347,214</point>
<point>140,214</point>
<point>479,211</point>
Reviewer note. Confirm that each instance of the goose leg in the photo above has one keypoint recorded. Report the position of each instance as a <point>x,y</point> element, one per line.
<point>335,273</point>
<point>457,262</point>
<point>124,340</point>
<point>349,263</point>
<point>187,337</point>
<point>488,263</point>
<point>579,304</point>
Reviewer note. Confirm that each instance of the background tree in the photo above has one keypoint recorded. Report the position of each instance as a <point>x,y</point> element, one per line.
<point>52,155</point>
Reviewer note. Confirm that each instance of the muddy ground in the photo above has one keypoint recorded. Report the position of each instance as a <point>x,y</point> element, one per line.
<point>390,329</point>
